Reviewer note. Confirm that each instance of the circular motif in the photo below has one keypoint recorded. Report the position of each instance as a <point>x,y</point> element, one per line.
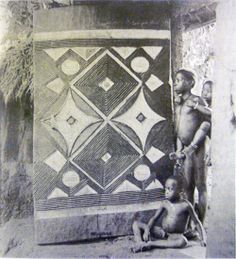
<point>70,66</point>
<point>140,64</point>
<point>70,179</point>
<point>142,172</point>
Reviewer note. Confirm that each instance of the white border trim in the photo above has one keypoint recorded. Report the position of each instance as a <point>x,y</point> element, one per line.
<point>98,210</point>
<point>103,34</point>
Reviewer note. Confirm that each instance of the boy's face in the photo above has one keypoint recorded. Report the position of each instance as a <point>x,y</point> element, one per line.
<point>181,84</point>
<point>207,92</point>
<point>171,189</point>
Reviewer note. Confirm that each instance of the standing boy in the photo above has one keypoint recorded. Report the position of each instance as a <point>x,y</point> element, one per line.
<point>189,119</point>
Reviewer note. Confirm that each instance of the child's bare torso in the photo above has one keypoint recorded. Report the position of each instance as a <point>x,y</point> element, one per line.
<point>188,121</point>
<point>176,217</point>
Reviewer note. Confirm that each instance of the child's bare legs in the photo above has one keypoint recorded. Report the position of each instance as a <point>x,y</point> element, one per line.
<point>199,136</point>
<point>173,241</point>
<point>200,176</point>
<point>138,230</point>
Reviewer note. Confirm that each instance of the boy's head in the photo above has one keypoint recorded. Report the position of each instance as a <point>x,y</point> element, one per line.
<point>173,188</point>
<point>184,81</point>
<point>207,90</point>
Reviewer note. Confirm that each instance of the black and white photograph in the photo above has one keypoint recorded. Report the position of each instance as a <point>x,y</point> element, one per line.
<point>117,128</point>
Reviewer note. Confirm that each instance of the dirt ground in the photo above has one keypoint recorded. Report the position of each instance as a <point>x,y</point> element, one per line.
<point>17,240</point>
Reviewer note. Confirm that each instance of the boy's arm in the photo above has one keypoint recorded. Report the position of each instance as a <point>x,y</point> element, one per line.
<point>198,104</point>
<point>179,145</point>
<point>151,222</point>
<point>153,219</point>
<point>197,222</point>
<point>203,109</point>
<point>178,154</point>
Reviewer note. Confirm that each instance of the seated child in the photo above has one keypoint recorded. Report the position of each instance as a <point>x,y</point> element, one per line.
<point>176,213</point>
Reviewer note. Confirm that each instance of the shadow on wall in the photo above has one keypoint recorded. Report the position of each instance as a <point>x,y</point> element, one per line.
<point>16,158</point>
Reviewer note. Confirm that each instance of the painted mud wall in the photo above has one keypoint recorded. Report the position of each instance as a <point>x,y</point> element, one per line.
<point>121,79</point>
<point>13,204</point>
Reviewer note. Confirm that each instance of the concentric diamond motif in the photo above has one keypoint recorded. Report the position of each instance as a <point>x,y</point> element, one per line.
<point>71,121</point>
<point>106,82</point>
<point>106,157</point>
<point>118,155</point>
<point>141,118</point>
<point>140,126</point>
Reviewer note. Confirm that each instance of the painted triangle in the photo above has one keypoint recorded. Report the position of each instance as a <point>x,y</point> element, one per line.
<point>124,52</point>
<point>56,53</point>
<point>153,51</point>
<point>126,186</point>
<point>86,190</point>
<point>154,185</point>
<point>86,52</point>
<point>57,193</point>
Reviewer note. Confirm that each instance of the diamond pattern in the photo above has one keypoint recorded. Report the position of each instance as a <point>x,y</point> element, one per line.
<point>106,84</point>
<point>153,82</point>
<point>56,85</point>
<point>105,125</point>
<point>71,121</point>
<point>154,154</point>
<point>119,154</point>
<point>106,157</point>
<point>141,118</point>
<point>56,161</point>
<point>129,118</point>
<point>107,66</point>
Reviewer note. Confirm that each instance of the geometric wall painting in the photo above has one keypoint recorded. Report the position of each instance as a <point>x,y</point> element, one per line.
<point>153,51</point>
<point>96,140</point>
<point>56,53</point>
<point>154,184</point>
<point>153,82</point>
<point>124,52</point>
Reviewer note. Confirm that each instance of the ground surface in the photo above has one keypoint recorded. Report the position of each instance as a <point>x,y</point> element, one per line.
<point>17,240</point>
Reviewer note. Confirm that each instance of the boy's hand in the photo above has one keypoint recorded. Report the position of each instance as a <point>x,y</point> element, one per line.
<point>203,243</point>
<point>190,103</point>
<point>176,155</point>
<point>146,234</point>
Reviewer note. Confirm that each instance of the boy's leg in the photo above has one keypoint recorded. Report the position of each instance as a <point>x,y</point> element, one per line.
<point>189,184</point>
<point>158,233</point>
<point>173,241</point>
<point>201,181</point>
<point>138,229</point>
